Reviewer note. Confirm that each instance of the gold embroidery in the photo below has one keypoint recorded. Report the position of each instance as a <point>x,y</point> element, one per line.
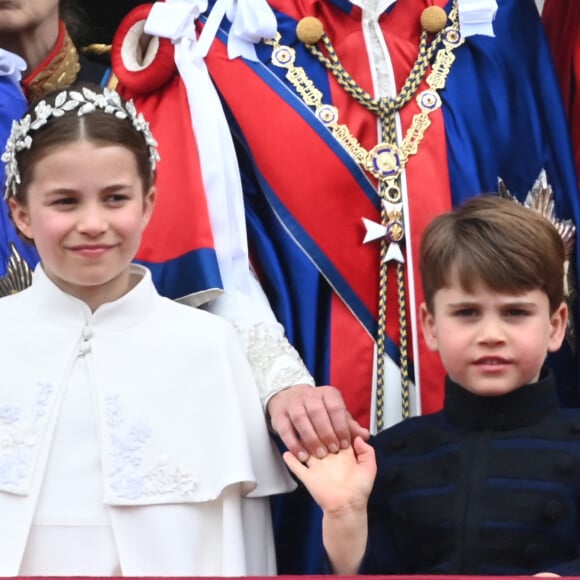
<point>60,73</point>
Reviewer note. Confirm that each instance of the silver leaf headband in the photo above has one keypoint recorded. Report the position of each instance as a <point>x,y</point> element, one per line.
<point>84,101</point>
<point>541,199</point>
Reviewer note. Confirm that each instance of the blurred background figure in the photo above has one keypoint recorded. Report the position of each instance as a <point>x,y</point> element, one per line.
<point>45,38</point>
<point>562,23</point>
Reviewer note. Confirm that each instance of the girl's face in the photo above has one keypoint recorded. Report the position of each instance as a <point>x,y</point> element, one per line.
<point>86,210</point>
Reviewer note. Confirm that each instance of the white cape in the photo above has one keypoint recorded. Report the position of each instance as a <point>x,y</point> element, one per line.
<point>187,461</point>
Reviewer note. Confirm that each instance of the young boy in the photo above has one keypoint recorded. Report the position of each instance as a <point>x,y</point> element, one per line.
<point>490,484</point>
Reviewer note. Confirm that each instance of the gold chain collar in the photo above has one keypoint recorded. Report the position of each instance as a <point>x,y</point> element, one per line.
<point>387,160</point>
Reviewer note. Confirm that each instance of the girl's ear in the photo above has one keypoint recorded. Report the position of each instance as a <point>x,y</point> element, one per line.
<point>21,217</point>
<point>428,327</point>
<point>148,205</point>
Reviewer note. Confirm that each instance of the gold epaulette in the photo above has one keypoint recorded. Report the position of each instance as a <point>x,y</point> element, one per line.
<point>97,49</point>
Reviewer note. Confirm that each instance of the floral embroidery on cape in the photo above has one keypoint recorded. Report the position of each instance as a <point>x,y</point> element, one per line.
<point>129,475</point>
<point>19,436</point>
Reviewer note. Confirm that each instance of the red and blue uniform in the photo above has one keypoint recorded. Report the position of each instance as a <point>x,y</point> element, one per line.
<point>12,106</point>
<point>562,22</point>
<point>501,116</point>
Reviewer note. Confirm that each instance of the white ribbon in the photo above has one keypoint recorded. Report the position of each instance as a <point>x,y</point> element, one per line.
<point>251,21</point>
<point>174,19</point>
<point>243,300</point>
<point>476,17</point>
<point>12,66</point>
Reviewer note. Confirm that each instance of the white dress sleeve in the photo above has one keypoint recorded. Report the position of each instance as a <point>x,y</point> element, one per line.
<point>275,362</point>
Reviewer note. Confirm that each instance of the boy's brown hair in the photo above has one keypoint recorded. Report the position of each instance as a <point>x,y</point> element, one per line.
<point>495,242</point>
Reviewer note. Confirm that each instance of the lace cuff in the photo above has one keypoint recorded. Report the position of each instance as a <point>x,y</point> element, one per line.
<point>275,362</point>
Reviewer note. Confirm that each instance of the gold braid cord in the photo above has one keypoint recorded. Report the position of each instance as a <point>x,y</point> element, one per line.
<point>387,160</point>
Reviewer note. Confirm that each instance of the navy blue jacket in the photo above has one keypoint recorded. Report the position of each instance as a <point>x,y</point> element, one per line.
<point>489,485</point>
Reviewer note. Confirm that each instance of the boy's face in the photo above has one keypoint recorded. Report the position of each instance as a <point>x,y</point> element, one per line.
<point>492,343</point>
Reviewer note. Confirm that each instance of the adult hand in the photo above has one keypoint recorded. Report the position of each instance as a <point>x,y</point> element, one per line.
<point>313,420</point>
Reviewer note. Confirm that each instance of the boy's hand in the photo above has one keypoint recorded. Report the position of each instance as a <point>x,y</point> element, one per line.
<point>340,481</point>
<point>313,421</point>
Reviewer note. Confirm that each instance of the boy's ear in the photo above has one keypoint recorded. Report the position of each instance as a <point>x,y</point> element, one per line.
<point>21,217</point>
<point>428,327</point>
<point>558,325</point>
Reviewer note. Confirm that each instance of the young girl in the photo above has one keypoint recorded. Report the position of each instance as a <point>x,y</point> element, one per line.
<point>132,439</point>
